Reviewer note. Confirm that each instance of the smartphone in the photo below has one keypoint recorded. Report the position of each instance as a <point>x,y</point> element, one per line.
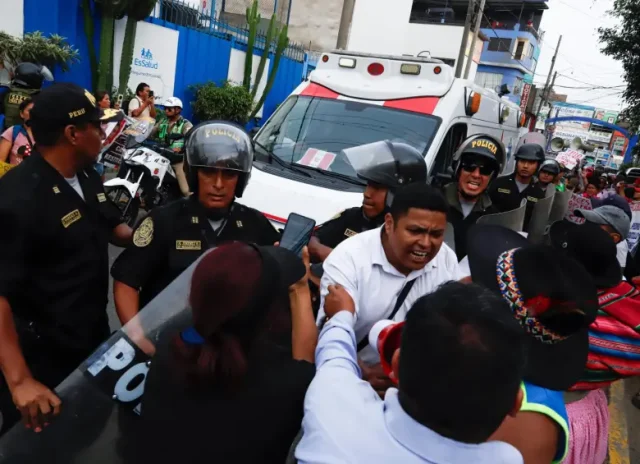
<point>297,233</point>
<point>120,98</point>
<point>151,93</point>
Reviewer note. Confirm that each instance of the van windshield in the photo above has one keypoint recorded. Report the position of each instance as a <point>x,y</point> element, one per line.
<point>311,132</point>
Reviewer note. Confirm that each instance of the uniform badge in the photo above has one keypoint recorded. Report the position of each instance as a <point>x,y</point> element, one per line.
<point>350,233</point>
<point>70,218</point>
<point>194,220</point>
<point>190,245</point>
<point>102,197</point>
<point>532,199</point>
<point>144,233</point>
<point>504,190</point>
<point>56,190</point>
<point>239,224</point>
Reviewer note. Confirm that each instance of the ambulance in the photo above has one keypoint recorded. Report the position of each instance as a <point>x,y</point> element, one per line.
<point>353,99</point>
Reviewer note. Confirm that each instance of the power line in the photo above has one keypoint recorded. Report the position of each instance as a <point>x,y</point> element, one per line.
<point>602,96</point>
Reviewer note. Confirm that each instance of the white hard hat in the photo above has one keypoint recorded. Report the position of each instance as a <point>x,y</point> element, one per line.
<point>173,102</point>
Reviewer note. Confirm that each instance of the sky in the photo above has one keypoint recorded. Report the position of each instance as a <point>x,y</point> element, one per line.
<point>579,62</point>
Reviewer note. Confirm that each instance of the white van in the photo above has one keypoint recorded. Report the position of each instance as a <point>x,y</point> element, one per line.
<point>353,99</point>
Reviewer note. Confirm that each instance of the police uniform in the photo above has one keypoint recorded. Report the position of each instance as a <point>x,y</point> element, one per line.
<point>348,223</point>
<point>506,196</point>
<point>174,236</point>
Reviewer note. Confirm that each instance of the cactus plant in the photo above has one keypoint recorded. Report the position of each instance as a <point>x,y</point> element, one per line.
<point>253,21</point>
<point>265,56</point>
<point>110,10</point>
<point>283,41</point>
<point>136,11</point>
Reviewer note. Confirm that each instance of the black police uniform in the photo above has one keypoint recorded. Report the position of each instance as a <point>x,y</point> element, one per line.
<point>505,195</point>
<point>461,224</point>
<point>348,223</point>
<point>54,267</point>
<point>174,236</point>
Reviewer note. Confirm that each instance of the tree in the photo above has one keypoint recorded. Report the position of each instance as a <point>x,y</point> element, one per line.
<point>623,44</point>
<point>37,48</point>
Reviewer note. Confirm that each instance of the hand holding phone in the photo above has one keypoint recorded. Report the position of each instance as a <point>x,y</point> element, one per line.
<point>297,233</point>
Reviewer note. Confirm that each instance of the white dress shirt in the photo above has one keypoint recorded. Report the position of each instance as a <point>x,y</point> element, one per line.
<point>622,249</point>
<point>345,421</point>
<point>360,265</point>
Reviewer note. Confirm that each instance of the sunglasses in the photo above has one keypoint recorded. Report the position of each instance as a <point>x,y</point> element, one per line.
<point>471,166</point>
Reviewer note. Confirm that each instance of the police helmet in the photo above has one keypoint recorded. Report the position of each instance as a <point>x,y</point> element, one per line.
<point>222,145</point>
<point>31,76</point>
<point>482,145</point>
<point>530,152</point>
<point>387,163</point>
<point>551,166</point>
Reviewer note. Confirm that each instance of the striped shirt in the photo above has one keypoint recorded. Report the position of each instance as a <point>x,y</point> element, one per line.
<point>614,338</point>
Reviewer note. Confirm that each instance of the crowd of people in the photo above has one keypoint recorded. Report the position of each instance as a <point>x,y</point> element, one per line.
<point>408,331</point>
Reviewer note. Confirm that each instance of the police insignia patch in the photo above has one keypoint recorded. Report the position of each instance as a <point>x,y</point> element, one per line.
<point>504,190</point>
<point>188,245</point>
<point>194,220</point>
<point>56,190</point>
<point>239,224</point>
<point>102,198</point>
<point>350,233</point>
<point>144,233</point>
<point>70,218</point>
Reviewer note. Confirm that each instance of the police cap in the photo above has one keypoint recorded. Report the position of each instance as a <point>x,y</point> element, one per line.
<point>530,152</point>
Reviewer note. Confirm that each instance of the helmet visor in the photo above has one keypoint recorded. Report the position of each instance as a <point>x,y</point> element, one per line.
<point>219,146</point>
<point>364,158</point>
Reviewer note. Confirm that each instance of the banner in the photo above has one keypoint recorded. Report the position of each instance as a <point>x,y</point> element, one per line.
<point>570,158</point>
<point>577,202</point>
<point>524,99</point>
<point>634,234</point>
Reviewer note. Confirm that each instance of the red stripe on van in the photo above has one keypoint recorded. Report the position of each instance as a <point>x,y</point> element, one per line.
<point>424,105</point>
<point>274,218</point>
<point>315,90</point>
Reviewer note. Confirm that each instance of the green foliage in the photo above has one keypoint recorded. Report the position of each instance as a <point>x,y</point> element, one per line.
<point>35,47</point>
<point>110,10</point>
<point>623,44</point>
<point>283,41</point>
<point>226,102</point>
<point>253,21</point>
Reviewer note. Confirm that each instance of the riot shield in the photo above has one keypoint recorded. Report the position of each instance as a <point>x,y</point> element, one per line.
<point>560,206</point>
<point>539,219</point>
<point>450,236</point>
<point>513,219</point>
<point>101,399</point>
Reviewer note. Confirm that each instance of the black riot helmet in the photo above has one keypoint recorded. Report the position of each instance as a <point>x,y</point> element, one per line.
<point>31,76</point>
<point>481,145</point>
<point>551,166</point>
<point>530,152</point>
<point>221,145</point>
<point>391,164</point>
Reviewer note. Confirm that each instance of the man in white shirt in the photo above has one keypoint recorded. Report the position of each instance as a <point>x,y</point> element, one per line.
<point>458,369</point>
<point>142,106</point>
<point>375,266</point>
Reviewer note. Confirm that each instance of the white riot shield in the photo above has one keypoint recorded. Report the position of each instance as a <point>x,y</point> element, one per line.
<point>101,399</point>
<point>539,221</point>
<point>560,206</point>
<point>513,219</point>
<point>450,236</point>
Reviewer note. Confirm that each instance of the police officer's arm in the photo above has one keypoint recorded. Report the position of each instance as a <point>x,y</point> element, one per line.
<point>137,264</point>
<point>324,238</point>
<point>35,401</point>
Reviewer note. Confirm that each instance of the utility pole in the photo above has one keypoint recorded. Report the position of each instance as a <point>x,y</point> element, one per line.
<point>345,23</point>
<point>465,36</point>
<point>546,85</point>
<point>476,30</point>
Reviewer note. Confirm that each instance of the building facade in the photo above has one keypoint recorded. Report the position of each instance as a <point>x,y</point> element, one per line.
<point>510,56</point>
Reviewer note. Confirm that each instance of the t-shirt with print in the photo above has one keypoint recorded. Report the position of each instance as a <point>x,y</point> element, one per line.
<point>21,141</point>
<point>136,103</point>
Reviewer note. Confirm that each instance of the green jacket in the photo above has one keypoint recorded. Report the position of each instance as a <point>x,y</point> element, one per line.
<point>165,128</point>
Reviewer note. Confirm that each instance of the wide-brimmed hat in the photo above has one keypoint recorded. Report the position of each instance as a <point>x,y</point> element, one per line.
<point>592,247</point>
<point>550,294</point>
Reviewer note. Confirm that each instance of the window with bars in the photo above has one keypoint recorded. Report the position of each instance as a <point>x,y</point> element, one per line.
<point>488,80</point>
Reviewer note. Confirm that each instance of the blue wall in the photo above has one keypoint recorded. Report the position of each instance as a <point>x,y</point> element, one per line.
<point>505,57</point>
<point>509,76</point>
<point>201,57</point>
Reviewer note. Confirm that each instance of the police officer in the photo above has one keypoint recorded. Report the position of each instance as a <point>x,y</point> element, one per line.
<point>26,83</point>
<point>549,171</point>
<point>56,227</point>
<point>478,161</point>
<point>391,165</point>
<point>218,162</point>
<point>508,192</point>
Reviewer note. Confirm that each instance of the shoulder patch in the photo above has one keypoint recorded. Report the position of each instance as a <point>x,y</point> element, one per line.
<point>144,233</point>
<point>350,233</point>
<point>532,199</point>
